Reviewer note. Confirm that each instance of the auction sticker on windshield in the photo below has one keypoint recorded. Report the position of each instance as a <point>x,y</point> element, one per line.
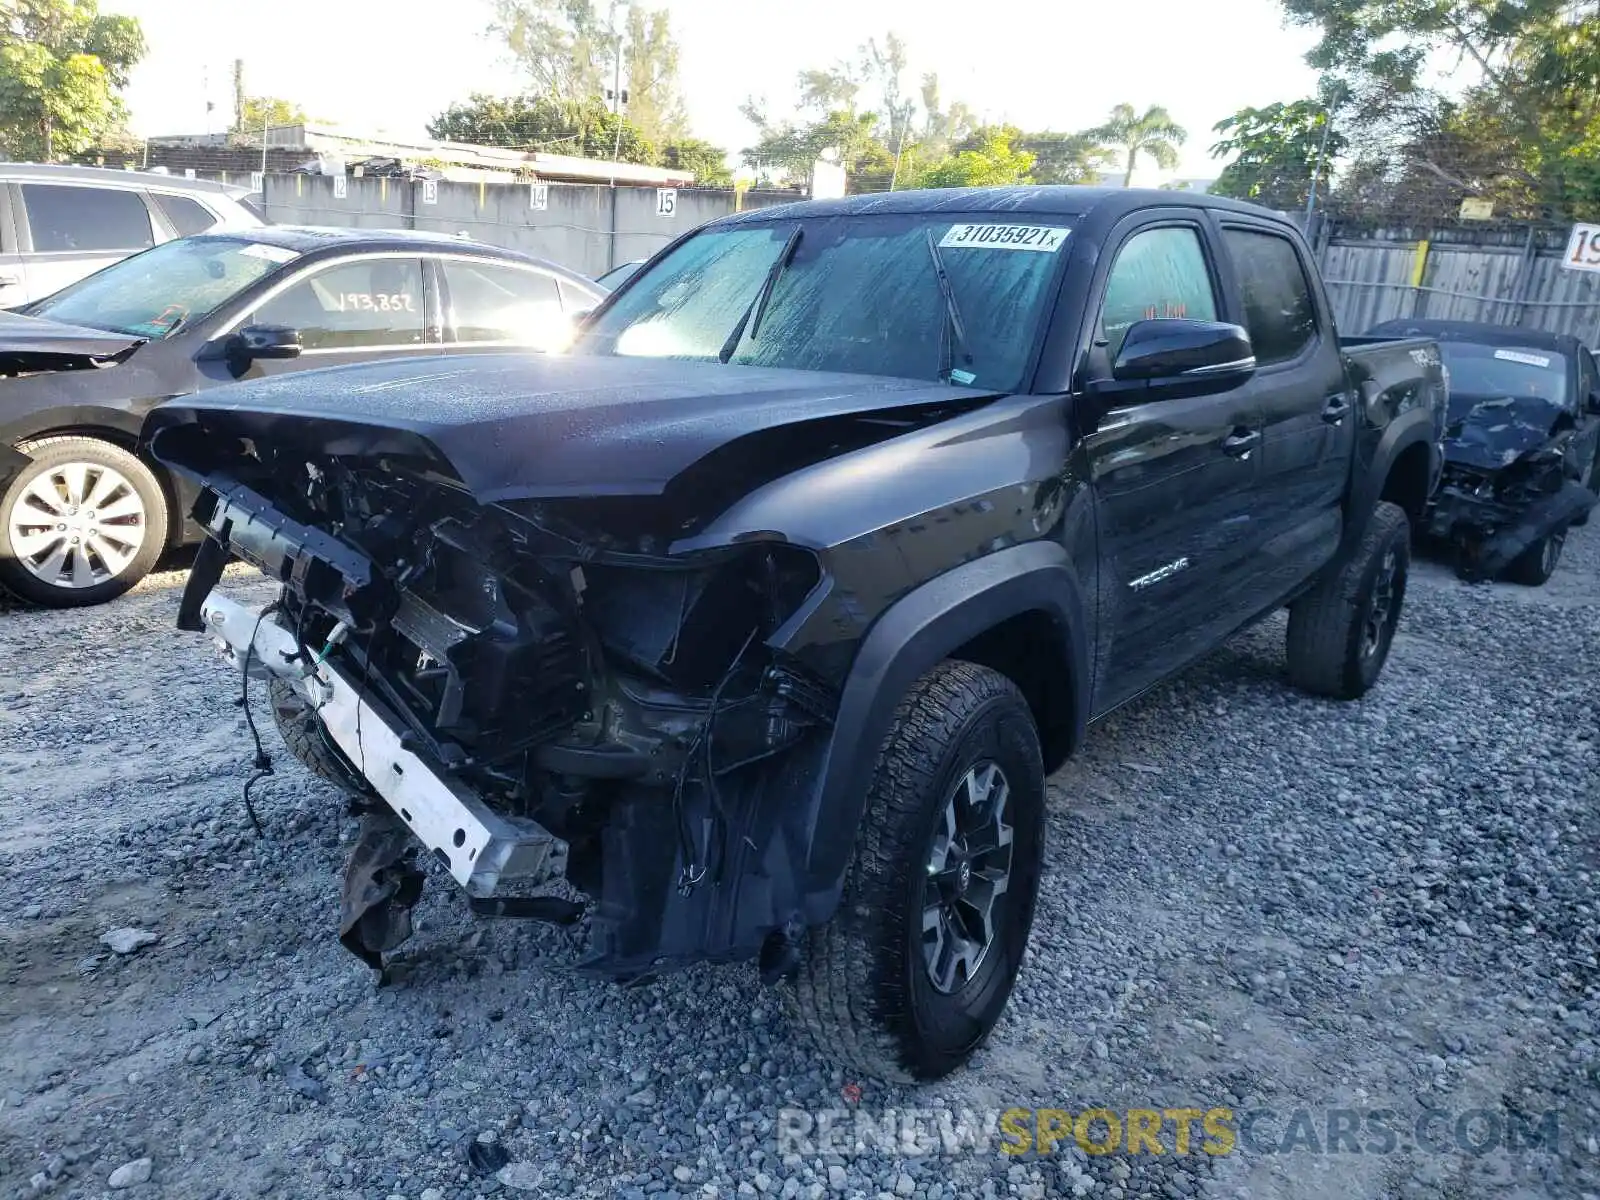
<point>277,254</point>
<point>1045,238</point>
<point>1520,356</point>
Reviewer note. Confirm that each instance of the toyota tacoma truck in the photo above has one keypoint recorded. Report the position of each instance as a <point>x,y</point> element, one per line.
<point>750,625</point>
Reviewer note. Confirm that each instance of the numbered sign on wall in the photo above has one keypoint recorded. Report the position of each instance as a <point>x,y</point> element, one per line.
<point>1583,249</point>
<point>341,186</point>
<point>430,191</point>
<point>258,181</point>
<point>666,202</point>
<point>538,196</point>
<point>188,172</point>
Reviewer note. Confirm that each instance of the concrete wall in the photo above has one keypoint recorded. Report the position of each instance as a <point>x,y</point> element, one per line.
<point>575,229</point>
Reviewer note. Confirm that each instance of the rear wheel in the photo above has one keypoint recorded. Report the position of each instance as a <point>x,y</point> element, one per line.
<point>915,968</point>
<point>82,524</point>
<point>1341,631</point>
<point>1534,566</point>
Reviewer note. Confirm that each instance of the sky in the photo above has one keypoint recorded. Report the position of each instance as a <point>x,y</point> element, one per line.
<point>370,66</point>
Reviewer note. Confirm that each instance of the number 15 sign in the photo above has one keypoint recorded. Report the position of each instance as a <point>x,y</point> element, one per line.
<point>1583,249</point>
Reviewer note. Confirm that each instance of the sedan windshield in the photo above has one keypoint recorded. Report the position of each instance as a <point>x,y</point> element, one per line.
<point>1500,372</point>
<point>154,294</point>
<point>855,294</point>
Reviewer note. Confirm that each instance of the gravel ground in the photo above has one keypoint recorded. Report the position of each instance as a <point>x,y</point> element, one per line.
<point>1254,900</point>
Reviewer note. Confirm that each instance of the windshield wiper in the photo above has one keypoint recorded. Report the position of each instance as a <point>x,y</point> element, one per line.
<point>758,307</point>
<point>952,334</point>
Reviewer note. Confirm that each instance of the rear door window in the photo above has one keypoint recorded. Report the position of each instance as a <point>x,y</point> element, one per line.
<point>185,215</point>
<point>1278,310</point>
<point>493,302</point>
<point>66,219</point>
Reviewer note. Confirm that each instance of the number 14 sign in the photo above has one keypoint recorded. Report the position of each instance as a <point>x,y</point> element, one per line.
<point>1583,249</point>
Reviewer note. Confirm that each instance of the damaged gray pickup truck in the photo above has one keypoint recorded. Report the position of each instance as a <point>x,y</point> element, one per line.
<point>759,617</point>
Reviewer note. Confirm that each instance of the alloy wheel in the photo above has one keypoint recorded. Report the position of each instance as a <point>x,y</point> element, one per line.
<point>77,525</point>
<point>968,872</point>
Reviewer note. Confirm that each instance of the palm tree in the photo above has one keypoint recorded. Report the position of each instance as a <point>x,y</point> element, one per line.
<point>1155,134</point>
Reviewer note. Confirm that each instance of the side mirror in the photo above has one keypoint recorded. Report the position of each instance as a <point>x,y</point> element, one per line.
<point>1175,351</point>
<point>1594,402</point>
<point>264,341</point>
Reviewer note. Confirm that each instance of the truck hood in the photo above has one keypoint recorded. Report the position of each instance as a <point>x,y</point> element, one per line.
<point>1489,433</point>
<point>36,344</point>
<point>524,426</point>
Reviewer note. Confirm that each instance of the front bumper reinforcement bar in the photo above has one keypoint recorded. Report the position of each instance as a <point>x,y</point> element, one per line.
<point>478,846</point>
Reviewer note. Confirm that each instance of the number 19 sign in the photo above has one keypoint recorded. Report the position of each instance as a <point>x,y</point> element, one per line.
<point>1583,249</point>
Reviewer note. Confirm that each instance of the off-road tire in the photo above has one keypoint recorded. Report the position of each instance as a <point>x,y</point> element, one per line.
<point>1534,566</point>
<point>863,988</point>
<point>302,734</point>
<point>54,452</point>
<point>1328,626</point>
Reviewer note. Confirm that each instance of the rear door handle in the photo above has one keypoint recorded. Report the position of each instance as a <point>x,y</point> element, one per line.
<point>9,280</point>
<point>1241,441</point>
<point>1336,409</point>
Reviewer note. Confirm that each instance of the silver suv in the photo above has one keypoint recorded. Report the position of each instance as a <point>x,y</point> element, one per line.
<point>58,224</point>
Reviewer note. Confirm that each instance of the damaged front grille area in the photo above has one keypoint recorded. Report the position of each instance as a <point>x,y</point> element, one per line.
<point>584,681</point>
<point>1492,517</point>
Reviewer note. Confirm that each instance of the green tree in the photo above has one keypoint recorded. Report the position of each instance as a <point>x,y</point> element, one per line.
<point>790,149</point>
<point>563,45</point>
<point>1066,157</point>
<point>709,163</point>
<point>991,161</point>
<point>650,64</point>
<point>586,129</point>
<point>62,64</point>
<point>1390,41</point>
<point>942,126</point>
<point>1275,151</point>
<point>1153,134</point>
<point>267,110</point>
<point>570,52</point>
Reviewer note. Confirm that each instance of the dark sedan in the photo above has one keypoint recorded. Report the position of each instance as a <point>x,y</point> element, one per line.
<point>1522,444</point>
<point>82,516</point>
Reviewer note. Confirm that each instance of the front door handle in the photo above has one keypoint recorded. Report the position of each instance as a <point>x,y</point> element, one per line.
<point>1241,441</point>
<point>9,280</point>
<point>1336,409</point>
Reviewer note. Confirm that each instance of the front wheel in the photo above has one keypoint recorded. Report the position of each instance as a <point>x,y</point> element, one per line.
<point>81,524</point>
<point>915,968</point>
<point>1590,480</point>
<point>1534,566</point>
<point>1340,631</point>
<point>301,730</point>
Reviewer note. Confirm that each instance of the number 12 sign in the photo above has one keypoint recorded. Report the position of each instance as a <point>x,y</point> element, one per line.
<point>1583,249</point>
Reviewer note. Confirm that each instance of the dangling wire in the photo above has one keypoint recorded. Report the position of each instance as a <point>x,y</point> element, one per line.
<point>262,764</point>
<point>700,749</point>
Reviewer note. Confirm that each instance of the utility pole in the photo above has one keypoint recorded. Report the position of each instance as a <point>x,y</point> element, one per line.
<point>1316,171</point>
<point>616,84</point>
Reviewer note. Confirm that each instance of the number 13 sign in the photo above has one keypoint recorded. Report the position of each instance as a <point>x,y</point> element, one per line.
<point>1583,249</point>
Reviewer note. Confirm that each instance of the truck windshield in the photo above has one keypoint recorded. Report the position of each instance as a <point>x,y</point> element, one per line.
<point>1496,372</point>
<point>858,294</point>
<point>154,294</point>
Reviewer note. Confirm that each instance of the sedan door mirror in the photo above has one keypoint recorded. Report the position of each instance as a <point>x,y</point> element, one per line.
<point>1173,351</point>
<point>263,341</point>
